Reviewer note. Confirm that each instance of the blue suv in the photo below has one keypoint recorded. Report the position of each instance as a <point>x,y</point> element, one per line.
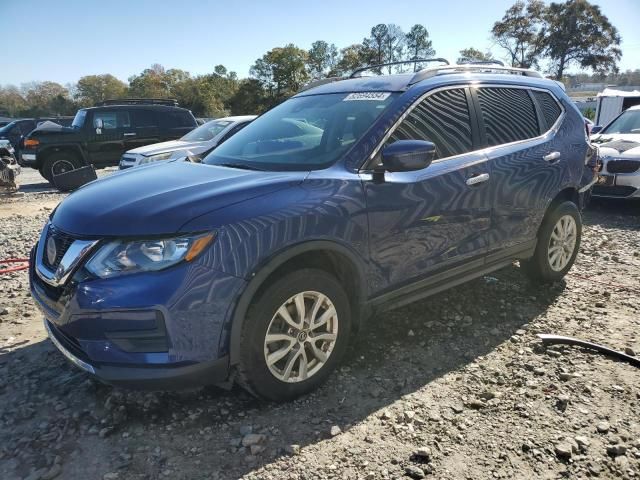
<point>357,195</point>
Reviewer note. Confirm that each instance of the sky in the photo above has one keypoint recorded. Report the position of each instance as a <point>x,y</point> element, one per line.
<point>62,40</point>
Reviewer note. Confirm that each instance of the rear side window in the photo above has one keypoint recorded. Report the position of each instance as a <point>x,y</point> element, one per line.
<point>508,114</point>
<point>178,118</point>
<point>548,106</point>
<point>144,118</point>
<point>112,120</point>
<point>442,118</point>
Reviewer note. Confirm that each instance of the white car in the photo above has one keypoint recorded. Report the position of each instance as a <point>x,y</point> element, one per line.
<point>197,143</point>
<point>619,144</point>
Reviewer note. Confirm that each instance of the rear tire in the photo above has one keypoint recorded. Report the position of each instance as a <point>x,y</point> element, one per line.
<point>558,244</point>
<point>57,163</point>
<point>279,358</point>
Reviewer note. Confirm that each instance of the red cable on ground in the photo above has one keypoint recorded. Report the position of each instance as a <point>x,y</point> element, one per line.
<point>14,269</point>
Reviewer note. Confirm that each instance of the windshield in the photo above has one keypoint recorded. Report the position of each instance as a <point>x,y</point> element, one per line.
<point>628,122</point>
<point>303,133</point>
<point>207,131</point>
<point>78,120</point>
<point>7,128</point>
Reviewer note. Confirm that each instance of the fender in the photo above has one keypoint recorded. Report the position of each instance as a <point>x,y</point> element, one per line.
<point>64,146</point>
<point>261,273</point>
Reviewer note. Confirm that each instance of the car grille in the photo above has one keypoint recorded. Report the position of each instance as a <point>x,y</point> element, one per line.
<point>63,242</point>
<point>614,190</point>
<point>623,166</point>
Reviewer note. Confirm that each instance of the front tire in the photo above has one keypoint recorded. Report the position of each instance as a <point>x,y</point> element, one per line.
<point>294,336</point>
<point>558,244</point>
<point>57,163</point>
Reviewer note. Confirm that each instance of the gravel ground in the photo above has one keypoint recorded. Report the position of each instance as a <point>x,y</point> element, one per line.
<point>453,387</point>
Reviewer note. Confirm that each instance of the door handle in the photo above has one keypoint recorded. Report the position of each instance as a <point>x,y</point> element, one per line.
<point>483,177</point>
<point>130,134</point>
<point>551,157</point>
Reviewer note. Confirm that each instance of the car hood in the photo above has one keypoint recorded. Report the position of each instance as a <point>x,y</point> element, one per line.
<point>160,199</point>
<point>50,128</point>
<point>618,145</point>
<point>163,147</point>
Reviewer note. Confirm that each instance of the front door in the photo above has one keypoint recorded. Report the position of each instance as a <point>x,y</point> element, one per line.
<point>106,145</point>
<point>427,220</point>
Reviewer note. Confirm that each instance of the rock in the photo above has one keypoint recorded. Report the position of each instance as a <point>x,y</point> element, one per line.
<point>583,442</point>
<point>488,395</point>
<point>256,449</point>
<point>246,430</point>
<point>53,472</point>
<point>616,450</point>
<point>563,450</point>
<point>423,453</point>
<point>335,431</point>
<point>630,351</point>
<point>457,408</point>
<point>386,414</point>
<point>253,439</point>
<point>4,311</point>
<point>414,472</point>
<point>292,449</point>
<point>409,416</point>
<point>603,427</point>
<point>411,333</point>
<point>562,402</point>
<point>476,404</point>
<point>106,431</point>
<point>110,476</point>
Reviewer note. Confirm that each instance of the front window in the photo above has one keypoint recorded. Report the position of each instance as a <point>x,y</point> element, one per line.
<point>78,120</point>
<point>7,128</point>
<point>628,122</point>
<point>303,133</point>
<point>207,131</point>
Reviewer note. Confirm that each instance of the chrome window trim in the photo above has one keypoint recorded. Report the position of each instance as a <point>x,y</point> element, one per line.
<point>367,167</point>
<point>76,252</point>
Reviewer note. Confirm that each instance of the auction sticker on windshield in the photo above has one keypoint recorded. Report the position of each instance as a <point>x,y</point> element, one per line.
<point>376,96</point>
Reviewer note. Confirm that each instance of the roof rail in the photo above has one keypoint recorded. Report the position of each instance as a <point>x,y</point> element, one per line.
<point>317,83</point>
<point>356,72</point>
<point>463,68</point>
<point>483,62</point>
<point>172,102</point>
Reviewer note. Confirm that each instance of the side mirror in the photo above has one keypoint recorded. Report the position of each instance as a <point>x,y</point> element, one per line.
<point>596,129</point>
<point>408,155</point>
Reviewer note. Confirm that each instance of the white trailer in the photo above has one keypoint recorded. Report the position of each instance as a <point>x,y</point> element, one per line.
<point>611,102</point>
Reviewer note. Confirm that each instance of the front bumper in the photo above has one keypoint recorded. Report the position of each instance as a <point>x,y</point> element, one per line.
<point>621,185</point>
<point>28,159</point>
<point>162,331</point>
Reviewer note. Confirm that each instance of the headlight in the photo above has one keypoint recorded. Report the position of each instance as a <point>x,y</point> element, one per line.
<point>121,257</point>
<point>155,158</point>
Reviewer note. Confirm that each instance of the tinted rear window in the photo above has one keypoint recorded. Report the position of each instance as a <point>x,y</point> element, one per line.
<point>178,118</point>
<point>508,114</point>
<point>549,107</point>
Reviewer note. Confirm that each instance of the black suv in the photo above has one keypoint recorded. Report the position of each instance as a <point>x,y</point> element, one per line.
<point>100,135</point>
<point>16,130</point>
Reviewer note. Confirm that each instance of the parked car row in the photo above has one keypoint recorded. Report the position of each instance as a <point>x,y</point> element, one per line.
<point>260,263</point>
<point>16,130</point>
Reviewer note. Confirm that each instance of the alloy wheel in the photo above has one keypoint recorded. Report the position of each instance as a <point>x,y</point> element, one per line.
<point>562,243</point>
<point>301,337</point>
<point>62,166</point>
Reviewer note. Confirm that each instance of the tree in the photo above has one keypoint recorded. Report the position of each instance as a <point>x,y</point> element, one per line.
<point>321,58</point>
<point>352,57</point>
<point>393,44</point>
<point>47,98</point>
<point>418,43</point>
<point>471,54</point>
<point>11,101</point>
<point>92,89</point>
<point>156,82</point>
<point>250,98</point>
<point>281,71</point>
<point>376,43</point>
<point>576,32</point>
<point>520,32</point>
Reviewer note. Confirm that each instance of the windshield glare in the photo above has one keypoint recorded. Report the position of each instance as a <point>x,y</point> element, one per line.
<point>303,133</point>
<point>207,131</point>
<point>7,128</point>
<point>628,122</point>
<point>78,120</point>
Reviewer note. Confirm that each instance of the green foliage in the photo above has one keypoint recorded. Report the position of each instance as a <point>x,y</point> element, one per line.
<point>473,55</point>
<point>577,32</point>
<point>589,113</point>
<point>92,89</point>
<point>281,71</point>
<point>520,33</point>
<point>418,43</point>
<point>321,58</point>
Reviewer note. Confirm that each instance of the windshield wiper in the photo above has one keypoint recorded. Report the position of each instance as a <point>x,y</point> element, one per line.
<point>242,166</point>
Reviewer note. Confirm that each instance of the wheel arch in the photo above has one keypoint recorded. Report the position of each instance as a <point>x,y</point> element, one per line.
<point>329,256</point>
<point>53,149</point>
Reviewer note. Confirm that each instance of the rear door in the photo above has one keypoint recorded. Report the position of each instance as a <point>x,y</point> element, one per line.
<point>145,129</point>
<point>175,123</point>
<point>431,219</point>
<point>525,157</point>
<point>105,145</point>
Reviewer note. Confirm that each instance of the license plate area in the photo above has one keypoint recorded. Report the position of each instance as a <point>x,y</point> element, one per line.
<point>606,180</point>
